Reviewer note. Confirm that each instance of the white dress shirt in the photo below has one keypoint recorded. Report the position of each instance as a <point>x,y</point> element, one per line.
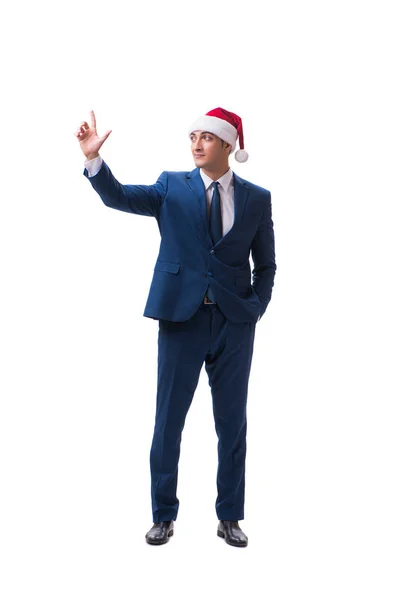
<point>225,191</point>
<point>226,194</point>
<point>93,166</point>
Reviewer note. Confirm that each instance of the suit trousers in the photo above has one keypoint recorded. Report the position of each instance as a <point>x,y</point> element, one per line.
<point>226,349</point>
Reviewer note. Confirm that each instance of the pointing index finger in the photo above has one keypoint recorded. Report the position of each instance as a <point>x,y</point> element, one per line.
<point>93,118</point>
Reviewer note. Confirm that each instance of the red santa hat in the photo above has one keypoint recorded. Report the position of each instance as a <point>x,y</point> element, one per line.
<point>225,125</point>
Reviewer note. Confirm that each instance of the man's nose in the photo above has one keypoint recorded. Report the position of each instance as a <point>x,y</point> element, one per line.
<point>197,145</point>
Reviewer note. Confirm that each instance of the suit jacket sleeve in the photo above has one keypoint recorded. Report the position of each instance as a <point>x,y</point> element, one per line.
<point>263,255</point>
<point>138,199</point>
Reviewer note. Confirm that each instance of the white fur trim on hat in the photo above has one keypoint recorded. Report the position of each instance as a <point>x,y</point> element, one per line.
<point>219,127</point>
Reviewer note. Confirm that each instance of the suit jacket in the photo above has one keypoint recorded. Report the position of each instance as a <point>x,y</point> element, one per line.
<point>188,262</point>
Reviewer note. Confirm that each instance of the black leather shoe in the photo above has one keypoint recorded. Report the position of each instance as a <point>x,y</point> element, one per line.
<point>160,533</point>
<point>232,533</point>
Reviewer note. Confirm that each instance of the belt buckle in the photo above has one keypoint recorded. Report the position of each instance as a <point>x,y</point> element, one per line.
<point>207,300</point>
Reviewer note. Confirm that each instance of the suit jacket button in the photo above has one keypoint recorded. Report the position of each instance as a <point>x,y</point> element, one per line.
<point>209,273</point>
<point>212,251</point>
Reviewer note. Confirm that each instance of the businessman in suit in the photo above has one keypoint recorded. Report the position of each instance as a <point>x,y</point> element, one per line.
<point>206,298</point>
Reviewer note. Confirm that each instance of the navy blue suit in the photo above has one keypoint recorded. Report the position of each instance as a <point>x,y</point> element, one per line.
<point>191,333</point>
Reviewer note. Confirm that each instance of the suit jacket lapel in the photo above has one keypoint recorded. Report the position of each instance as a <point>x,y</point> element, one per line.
<point>196,184</point>
<point>241,192</point>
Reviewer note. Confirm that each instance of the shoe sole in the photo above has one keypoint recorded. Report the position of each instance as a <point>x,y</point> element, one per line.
<point>161,542</point>
<point>222,535</point>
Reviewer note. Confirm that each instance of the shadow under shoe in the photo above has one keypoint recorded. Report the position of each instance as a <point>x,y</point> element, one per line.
<point>231,532</point>
<point>160,533</point>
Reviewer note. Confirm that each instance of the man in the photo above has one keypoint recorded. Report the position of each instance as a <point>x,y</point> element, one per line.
<point>205,300</point>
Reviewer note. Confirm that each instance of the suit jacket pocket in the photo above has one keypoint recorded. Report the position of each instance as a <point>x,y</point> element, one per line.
<point>167,267</point>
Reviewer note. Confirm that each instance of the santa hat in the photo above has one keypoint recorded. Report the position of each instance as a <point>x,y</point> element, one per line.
<point>225,125</point>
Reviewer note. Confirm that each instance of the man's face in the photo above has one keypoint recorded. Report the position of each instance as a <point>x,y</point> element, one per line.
<point>209,151</point>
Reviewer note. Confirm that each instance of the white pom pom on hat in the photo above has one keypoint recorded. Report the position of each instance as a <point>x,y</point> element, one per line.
<point>241,156</point>
<point>227,126</point>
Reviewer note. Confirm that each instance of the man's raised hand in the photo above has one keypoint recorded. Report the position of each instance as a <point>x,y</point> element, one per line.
<point>89,140</point>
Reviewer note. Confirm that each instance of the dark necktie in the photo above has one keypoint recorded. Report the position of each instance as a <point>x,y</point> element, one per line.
<point>215,224</point>
<point>215,215</point>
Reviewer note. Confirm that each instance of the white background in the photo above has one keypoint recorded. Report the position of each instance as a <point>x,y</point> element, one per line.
<point>316,84</point>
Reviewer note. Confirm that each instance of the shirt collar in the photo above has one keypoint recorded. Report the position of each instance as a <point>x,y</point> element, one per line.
<point>224,181</point>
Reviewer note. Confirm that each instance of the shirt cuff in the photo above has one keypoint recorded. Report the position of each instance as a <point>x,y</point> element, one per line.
<point>93,166</point>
